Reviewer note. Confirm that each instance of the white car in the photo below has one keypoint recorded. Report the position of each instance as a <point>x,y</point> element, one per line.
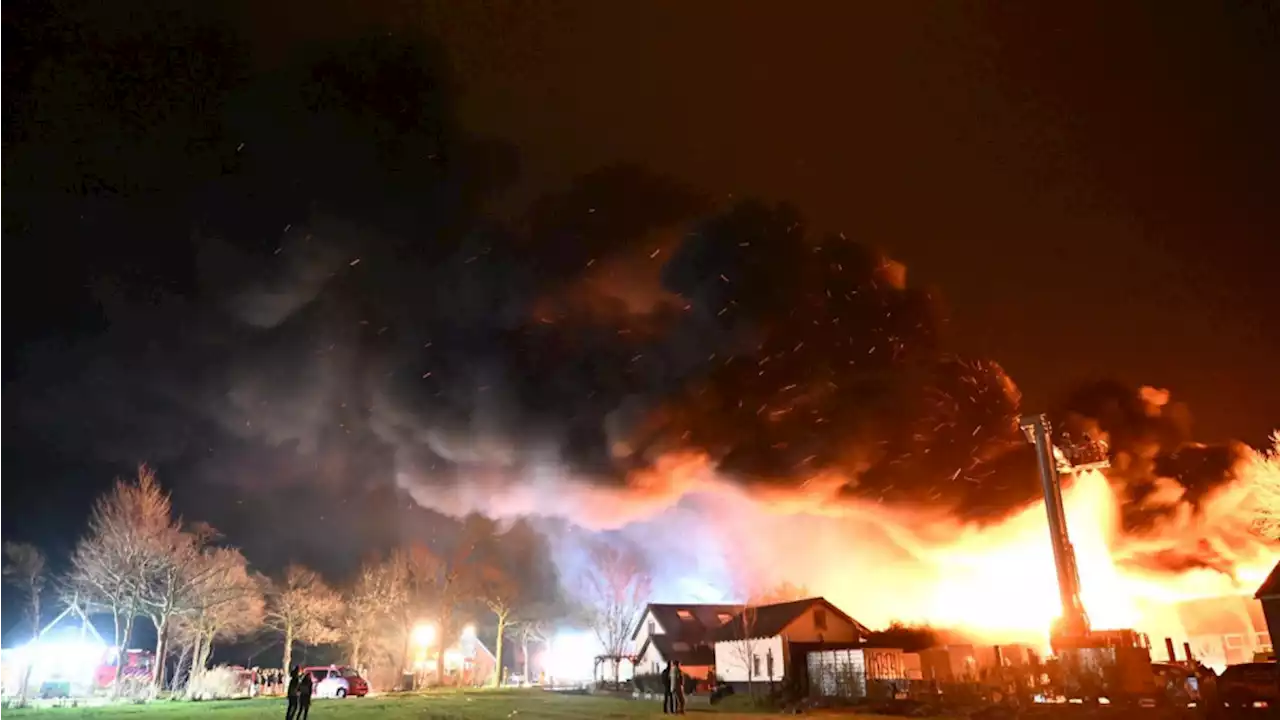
<point>336,681</point>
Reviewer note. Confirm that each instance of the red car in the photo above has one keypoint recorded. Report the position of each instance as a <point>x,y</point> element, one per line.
<point>336,681</point>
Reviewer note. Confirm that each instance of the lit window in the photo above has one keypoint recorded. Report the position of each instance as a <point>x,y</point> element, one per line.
<point>684,614</point>
<point>724,618</point>
<point>1235,641</point>
<point>820,618</point>
<point>1263,640</point>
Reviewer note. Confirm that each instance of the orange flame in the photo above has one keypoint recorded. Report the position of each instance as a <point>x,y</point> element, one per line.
<point>882,564</point>
<point>997,581</point>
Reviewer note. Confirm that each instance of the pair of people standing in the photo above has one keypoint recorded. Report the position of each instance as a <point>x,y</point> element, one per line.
<point>673,689</point>
<point>299,694</point>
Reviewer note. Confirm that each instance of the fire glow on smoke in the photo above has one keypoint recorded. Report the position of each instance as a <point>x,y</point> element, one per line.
<point>996,582</point>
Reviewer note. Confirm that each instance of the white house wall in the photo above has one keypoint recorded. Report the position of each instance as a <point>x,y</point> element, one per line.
<point>731,660</point>
<point>651,662</point>
<point>731,663</point>
<point>651,654</point>
<point>642,633</point>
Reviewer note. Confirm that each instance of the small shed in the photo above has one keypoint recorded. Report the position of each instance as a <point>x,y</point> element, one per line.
<point>854,672</point>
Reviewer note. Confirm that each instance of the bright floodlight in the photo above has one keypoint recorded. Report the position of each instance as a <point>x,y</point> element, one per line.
<point>452,659</point>
<point>424,634</point>
<point>76,660</point>
<point>469,631</point>
<point>571,655</point>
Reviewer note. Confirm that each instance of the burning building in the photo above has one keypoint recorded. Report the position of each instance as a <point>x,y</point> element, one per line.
<point>1224,630</point>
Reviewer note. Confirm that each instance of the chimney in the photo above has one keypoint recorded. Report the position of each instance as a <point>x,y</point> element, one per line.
<point>1186,648</point>
<point>1168,646</point>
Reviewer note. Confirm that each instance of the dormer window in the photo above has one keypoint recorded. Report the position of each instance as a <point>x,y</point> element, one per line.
<point>724,618</point>
<point>684,615</point>
<point>680,646</point>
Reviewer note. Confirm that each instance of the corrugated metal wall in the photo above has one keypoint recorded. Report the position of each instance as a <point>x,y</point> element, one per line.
<point>844,673</point>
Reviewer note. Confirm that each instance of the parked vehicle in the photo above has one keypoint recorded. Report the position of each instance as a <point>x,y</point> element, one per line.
<point>131,665</point>
<point>336,681</point>
<point>1250,685</point>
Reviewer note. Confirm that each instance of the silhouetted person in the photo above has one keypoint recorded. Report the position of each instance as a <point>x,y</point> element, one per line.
<point>677,689</point>
<point>291,694</point>
<point>305,686</point>
<point>667,697</point>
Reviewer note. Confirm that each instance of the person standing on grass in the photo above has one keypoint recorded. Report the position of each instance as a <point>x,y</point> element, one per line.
<point>667,706</point>
<point>677,689</point>
<point>305,687</point>
<point>291,694</point>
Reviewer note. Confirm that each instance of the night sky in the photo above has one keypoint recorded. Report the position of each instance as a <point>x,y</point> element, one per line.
<point>305,256</point>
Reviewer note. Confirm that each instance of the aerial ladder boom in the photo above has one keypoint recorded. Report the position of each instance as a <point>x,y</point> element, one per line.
<point>1074,621</point>
<point>1083,650</point>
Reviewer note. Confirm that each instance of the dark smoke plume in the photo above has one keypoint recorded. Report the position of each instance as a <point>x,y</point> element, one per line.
<point>297,289</point>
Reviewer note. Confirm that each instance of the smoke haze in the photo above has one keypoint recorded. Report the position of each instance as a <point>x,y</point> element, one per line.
<point>353,322</point>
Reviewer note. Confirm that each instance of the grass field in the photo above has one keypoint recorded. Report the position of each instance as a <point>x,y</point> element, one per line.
<point>476,705</point>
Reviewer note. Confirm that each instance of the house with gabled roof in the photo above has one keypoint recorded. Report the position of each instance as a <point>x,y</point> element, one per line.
<point>681,633</point>
<point>755,644</point>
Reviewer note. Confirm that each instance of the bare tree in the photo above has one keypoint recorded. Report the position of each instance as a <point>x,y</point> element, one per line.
<point>618,588</point>
<point>533,627</point>
<point>413,575</point>
<point>370,600</point>
<point>183,566</point>
<point>456,579</point>
<point>114,562</point>
<point>745,641</point>
<point>25,569</point>
<point>501,594</point>
<point>302,608</point>
<point>227,603</point>
<point>1264,477</point>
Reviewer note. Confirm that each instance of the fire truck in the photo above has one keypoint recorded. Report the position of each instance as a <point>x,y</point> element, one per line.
<point>130,666</point>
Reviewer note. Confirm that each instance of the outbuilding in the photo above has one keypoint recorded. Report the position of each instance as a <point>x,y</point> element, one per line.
<point>755,645</point>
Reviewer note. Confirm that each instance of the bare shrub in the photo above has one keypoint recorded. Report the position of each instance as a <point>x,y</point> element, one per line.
<point>218,683</point>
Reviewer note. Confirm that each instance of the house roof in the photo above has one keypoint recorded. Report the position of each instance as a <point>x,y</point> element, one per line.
<point>689,622</point>
<point>473,646</point>
<point>771,620</point>
<point>1271,586</point>
<point>681,651</point>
